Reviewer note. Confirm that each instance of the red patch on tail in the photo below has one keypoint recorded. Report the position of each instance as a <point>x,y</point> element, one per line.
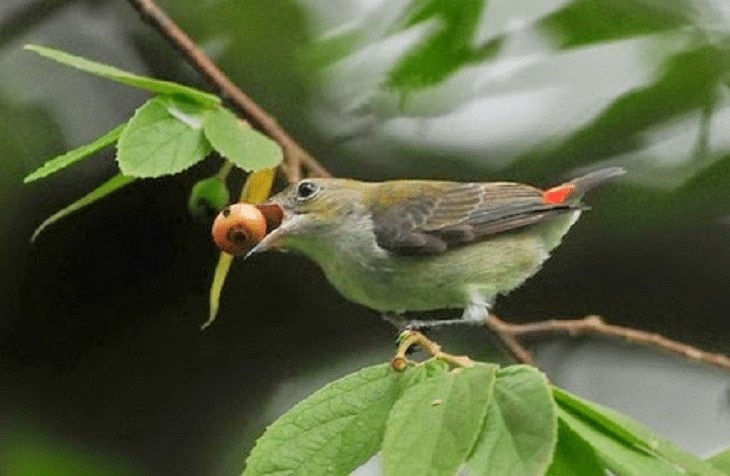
<point>557,195</point>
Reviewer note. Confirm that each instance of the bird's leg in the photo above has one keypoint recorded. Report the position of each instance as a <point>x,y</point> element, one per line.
<point>399,323</point>
<point>475,314</point>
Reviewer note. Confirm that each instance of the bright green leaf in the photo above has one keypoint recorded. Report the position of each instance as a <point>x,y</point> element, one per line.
<point>633,433</point>
<point>721,461</point>
<point>165,136</point>
<point>75,155</point>
<point>574,456</point>
<point>433,427</point>
<point>333,431</point>
<point>111,185</point>
<point>240,143</point>
<point>124,77</point>
<point>520,430</point>
<point>621,458</point>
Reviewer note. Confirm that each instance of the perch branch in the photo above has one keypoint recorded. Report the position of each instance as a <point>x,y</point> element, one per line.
<point>594,325</point>
<point>296,159</point>
<point>409,339</point>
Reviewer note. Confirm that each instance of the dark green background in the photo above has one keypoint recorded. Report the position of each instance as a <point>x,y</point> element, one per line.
<point>102,363</point>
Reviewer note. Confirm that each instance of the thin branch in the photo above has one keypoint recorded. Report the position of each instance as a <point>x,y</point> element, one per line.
<point>596,326</point>
<point>295,157</point>
<point>518,352</point>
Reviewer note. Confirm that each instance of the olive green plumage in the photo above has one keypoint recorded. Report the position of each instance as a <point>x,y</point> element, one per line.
<point>413,245</point>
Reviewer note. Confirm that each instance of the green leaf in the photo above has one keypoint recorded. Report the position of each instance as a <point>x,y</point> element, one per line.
<point>240,143</point>
<point>208,195</point>
<point>721,461</point>
<point>583,22</point>
<point>520,430</point>
<point>621,458</point>
<point>434,426</point>
<point>164,137</point>
<point>633,433</point>
<point>333,431</point>
<point>124,77</point>
<point>111,185</point>
<point>75,155</point>
<point>574,456</point>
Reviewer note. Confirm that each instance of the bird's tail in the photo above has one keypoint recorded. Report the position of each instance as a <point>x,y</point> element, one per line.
<point>593,179</point>
<point>580,185</point>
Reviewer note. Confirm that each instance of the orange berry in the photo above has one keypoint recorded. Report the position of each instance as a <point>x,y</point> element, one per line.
<point>238,228</point>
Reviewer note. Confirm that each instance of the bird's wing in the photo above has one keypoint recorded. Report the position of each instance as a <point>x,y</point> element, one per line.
<point>436,216</point>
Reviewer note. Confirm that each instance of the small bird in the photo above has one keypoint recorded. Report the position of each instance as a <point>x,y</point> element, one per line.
<point>419,245</point>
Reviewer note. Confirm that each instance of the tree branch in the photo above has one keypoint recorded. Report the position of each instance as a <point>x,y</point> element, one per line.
<point>596,326</point>
<point>410,338</point>
<point>518,352</point>
<point>296,159</point>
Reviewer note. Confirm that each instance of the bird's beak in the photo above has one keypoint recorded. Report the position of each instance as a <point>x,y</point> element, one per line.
<point>277,236</point>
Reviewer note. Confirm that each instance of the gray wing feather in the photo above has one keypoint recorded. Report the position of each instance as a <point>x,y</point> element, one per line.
<point>443,216</point>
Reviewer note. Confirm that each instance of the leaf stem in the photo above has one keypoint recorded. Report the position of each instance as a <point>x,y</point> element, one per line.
<point>225,170</point>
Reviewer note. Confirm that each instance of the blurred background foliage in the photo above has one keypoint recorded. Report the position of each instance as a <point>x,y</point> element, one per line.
<point>102,365</point>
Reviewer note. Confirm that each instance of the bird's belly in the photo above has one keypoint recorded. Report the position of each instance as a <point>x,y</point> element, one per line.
<point>451,279</point>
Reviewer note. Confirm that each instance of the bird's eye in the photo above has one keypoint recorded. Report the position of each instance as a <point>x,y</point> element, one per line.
<point>306,190</point>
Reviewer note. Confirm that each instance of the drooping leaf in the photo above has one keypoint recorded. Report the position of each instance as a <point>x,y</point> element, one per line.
<point>333,431</point>
<point>433,427</point>
<point>216,287</point>
<point>633,433</point>
<point>574,456</point>
<point>164,137</point>
<point>256,189</point>
<point>111,185</point>
<point>240,143</point>
<point>124,77</point>
<point>520,430</point>
<point>72,156</point>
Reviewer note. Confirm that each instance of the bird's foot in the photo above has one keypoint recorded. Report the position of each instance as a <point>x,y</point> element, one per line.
<point>421,326</point>
<point>474,315</point>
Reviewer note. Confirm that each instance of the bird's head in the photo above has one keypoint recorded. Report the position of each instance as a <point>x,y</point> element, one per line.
<point>316,213</point>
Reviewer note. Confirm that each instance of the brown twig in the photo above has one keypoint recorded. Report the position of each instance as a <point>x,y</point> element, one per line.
<point>596,326</point>
<point>295,157</point>
<point>510,343</point>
